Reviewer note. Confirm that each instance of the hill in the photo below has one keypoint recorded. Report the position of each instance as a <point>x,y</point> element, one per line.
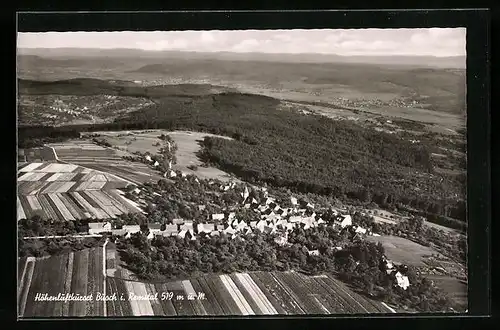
<point>398,60</point>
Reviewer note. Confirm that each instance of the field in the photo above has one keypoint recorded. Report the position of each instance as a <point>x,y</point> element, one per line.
<point>188,146</point>
<point>84,153</point>
<point>256,293</point>
<point>69,192</point>
<point>402,250</point>
<point>77,272</point>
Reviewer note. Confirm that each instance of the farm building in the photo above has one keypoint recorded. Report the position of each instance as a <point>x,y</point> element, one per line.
<point>360,230</point>
<point>99,227</point>
<point>132,228</point>
<point>313,253</point>
<point>293,200</point>
<point>346,221</point>
<point>178,221</point>
<point>402,281</point>
<point>155,227</point>
<point>219,216</point>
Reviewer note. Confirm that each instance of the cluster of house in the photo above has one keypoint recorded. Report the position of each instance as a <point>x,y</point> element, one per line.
<point>149,159</point>
<point>401,280</point>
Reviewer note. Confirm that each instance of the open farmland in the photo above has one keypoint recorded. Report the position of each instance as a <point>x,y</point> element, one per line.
<point>255,293</point>
<point>69,192</point>
<point>104,159</point>
<point>79,273</point>
<point>188,146</point>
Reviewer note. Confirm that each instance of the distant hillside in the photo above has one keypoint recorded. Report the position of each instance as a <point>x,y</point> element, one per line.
<point>419,61</point>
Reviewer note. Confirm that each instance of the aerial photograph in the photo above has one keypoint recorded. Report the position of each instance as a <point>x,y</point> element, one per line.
<point>241,173</point>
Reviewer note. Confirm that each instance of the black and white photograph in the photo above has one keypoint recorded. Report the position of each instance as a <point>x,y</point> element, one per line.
<point>241,172</point>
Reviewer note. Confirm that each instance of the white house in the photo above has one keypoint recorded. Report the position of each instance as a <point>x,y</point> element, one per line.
<point>156,164</point>
<point>347,221</point>
<point>295,219</point>
<point>360,230</point>
<point>245,194</point>
<point>148,158</point>
<point>182,233</point>
<point>172,174</point>
<point>293,200</point>
<point>150,235</point>
<point>219,216</point>
<point>310,206</point>
<point>231,216</point>
<point>253,224</point>
<point>132,228</point>
<point>229,231</point>
<point>402,281</point>
<point>313,253</point>
<point>99,227</point>
<point>241,225</point>
<point>260,225</point>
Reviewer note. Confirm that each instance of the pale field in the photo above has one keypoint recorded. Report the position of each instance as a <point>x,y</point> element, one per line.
<point>188,145</point>
<point>402,250</point>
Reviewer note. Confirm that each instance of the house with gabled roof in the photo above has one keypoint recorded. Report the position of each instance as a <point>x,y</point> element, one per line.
<point>206,228</point>
<point>293,200</point>
<point>260,225</point>
<point>220,227</point>
<point>154,227</point>
<point>253,224</point>
<point>229,230</point>
<point>218,216</point>
<point>247,206</point>
<point>215,233</point>
<point>187,226</point>
<point>178,221</point>
<point>132,228</point>
<point>99,227</point>
<point>313,253</point>
<point>119,232</point>
<point>241,225</point>
<point>182,233</point>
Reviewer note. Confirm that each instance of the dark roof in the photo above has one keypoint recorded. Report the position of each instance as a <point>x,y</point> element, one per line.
<point>154,226</point>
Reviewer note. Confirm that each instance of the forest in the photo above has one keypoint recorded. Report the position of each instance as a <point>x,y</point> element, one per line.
<point>306,153</point>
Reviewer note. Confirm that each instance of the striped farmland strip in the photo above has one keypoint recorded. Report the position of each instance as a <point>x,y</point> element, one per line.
<point>35,187</point>
<point>282,293</point>
<point>210,304</point>
<point>112,307</point>
<point>313,294</point>
<point>144,305</point>
<point>237,296</point>
<point>26,207</point>
<point>79,282</point>
<point>61,207</point>
<point>33,203</point>
<point>50,213</point>
<point>21,272</point>
<point>26,285</point>
<point>30,167</point>
<point>257,294</point>
<point>20,210</point>
<point>79,205</point>
<point>96,185</point>
<point>97,207</point>
<point>51,187</point>
<point>37,176</point>
<point>106,201</point>
<point>344,301</point>
<point>94,212</point>
<point>222,296</point>
<point>247,294</point>
<point>123,201</point>
<point>108,210</point>
<point>67,281</point>
<point>155,304</point>
<point>72,208</point>
<point>65,187</point>
<point>269,293</point>
<point>195,303</point>
<point>298,292</point>
<point>166,304</point>
<point>46,176</point>
<point>66,177</point>
<point>59,280</point>
<point>25,176</point>
<point>116,203</point>
<point>54,177</point>
<point>125,304</point>
<point>136,311</point>
<point>181,304</point>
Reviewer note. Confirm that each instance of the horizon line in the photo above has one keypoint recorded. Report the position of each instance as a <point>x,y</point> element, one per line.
<point>233,52</point>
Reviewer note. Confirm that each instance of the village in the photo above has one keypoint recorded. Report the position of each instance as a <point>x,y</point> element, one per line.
<point>274,220</point>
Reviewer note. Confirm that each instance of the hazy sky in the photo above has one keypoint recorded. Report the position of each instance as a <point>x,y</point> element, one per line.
<point>432,41</point>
